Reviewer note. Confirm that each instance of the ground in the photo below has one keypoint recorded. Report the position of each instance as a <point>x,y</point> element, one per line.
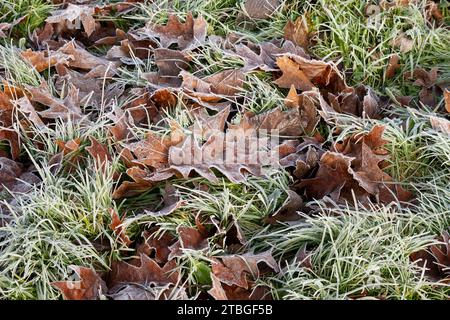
<point>224,149</point>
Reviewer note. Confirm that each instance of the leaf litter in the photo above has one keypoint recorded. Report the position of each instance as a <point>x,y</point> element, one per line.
<point>315,91</point>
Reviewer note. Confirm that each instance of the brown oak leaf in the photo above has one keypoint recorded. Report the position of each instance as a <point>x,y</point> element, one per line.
<point>72,18</point>
<point>187,35</point>
<point>89,287</point>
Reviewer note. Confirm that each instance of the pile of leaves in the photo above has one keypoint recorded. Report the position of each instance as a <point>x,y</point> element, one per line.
<point>86,58</point>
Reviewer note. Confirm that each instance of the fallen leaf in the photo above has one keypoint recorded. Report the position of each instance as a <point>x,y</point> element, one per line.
<point>10,170</point>
<point>147,272</point>
<point>118,228</point>
<point>189,238</point>
<point>260,9</point>
<point>265,58</point>
<point>435,259</point>
<point>72,18</point>
<point>43,60</point>
<point>89,287</point>
<point>440,124</point>
<point>403,42</point>
<point>221,291</point>
<point>447,100</point>
<point>66,109</point>
<point>98,151</point>
<point>160,244</point>
<point>234,269</point>
<point>305,74</point>
<point>298,31</point>
<point>393,66</point>
<point>188,35</point>
<point>82,59</point>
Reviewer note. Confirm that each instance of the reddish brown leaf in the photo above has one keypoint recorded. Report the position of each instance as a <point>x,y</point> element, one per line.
<point>146,273</point>
<point>305,74</point>
<point>190,238</point>
<point>435,259</point>
<point>89,287</point>
<point>393,66</point>
<point>118,228</point>
<point>234,269</point>
<point>98,151</point>
<point>42,60</point>
<point>158,243</point>
<point>298,31</point>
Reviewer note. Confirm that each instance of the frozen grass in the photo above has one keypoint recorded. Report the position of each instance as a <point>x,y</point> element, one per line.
<point>15,70</point>
<point>355,251</point>
<point>364,41</point>
<point>51,229</point>
<point>34,11</point>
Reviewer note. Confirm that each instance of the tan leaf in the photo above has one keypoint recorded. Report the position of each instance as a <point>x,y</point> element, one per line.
<point>73,17</point>
<point>298,31</point>
<point>82,59</point>
<point>260,9</point>
<point>42,60</point>
<point>265,59</point>
<point>188,35</point>
<point>447,99</point>
<point>440,124</point>
<point>402,42</point>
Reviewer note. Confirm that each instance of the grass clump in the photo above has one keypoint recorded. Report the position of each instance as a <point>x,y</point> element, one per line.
<point>52,228</point>
<point>34,13</point>
<point>356,253</point>
<point>364,39</point>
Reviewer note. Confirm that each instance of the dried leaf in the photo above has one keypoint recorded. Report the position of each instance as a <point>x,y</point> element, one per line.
<point>234,269</point>
<point>89,287</point>
<point>82,59</point>
<point>447,100</point>
<point>210,90</point>
<point>147,272</point>
<point>435,259</point>
<point>265,59</point>
<point>260,9</point>
<point>98,151</point>
<point>393,66</point>
<point>403,42</point>
<point>298,31</point>
<point>188,35</point>
<point>221,291</point>
<point>118,228</point>
<point>42,60</point>
<point>73,17</point>
<point>440,124</point>
<point>160,244</point>
<point>66,109</point>
<point>9,172</point>
<point>305,74</point>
